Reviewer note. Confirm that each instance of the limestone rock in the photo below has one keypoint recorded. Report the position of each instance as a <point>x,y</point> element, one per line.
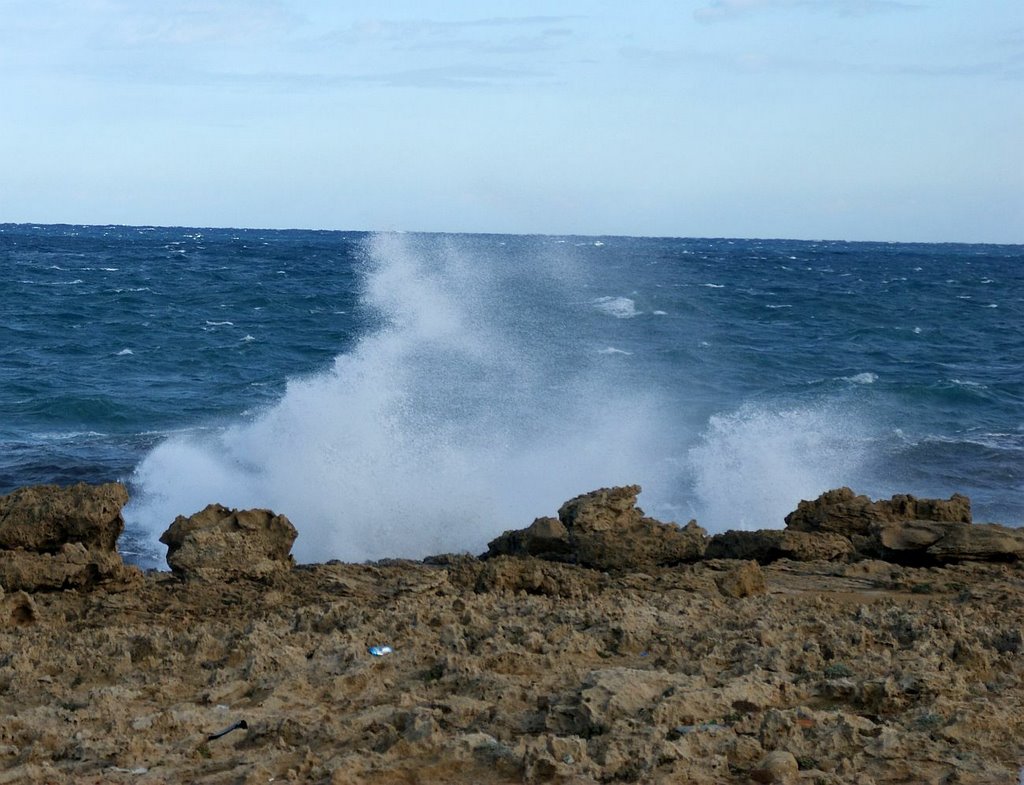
<point>768,545</point>
<point>843,512</point>
<point>941,541</point>
<point>743,580</point>
<point>54,538</point>
<point>73,567</point>
<point>17,610</point>
<point>44,517</point>
<point>608,531</point>
<point>776,767</point>
<point>218,543</point>
<point>545,538</point>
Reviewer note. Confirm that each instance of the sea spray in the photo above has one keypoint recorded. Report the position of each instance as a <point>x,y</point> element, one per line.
<point>751,466</point>
<point>469,410</point>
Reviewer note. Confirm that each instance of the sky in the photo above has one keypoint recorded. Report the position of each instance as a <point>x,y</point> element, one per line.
<point>806,119</point>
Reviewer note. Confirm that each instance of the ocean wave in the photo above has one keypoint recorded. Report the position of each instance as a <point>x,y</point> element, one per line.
<point>862,378</point>
<point>619,307</point>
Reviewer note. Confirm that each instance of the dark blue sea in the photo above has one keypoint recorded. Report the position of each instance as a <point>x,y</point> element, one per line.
<point>406,394</point>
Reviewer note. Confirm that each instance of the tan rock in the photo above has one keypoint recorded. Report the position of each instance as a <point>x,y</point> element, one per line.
<point>844,512</point>
<point>608,531</point>
<point>743,580</point>
<point>545,538</point>
<point>220,543</point>
<point>768,545</point>
<point>73,567</point>
<point>778,766</point>
<point>44,517</point>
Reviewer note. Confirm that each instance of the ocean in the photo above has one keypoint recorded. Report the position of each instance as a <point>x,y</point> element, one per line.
<point>397,395</point>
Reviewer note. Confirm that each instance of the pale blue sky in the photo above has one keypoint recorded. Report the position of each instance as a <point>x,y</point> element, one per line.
<point>840,119</point>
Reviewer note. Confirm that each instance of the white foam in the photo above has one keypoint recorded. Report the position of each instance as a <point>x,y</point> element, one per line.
<point>753,466</point>
<point>862,378</point>
<point>613,350</point>
<point>247,339</point>
<point>125,353</point>
<point>660,313</point>
<point>449,425</point>
<point>714,285</point>
<point>619,307</point>
<point>220,324</point>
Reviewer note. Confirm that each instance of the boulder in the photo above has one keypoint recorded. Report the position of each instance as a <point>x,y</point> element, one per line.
<point>219,544</point>
<point>42,518</point>
<point>608,531</point>
<point>54,537</point>
<point>545,538</point>
<point>768,545</point>
<point>743,580</point>
<point>843,512</point>
<point>903,529</point>
<point>778,766</point>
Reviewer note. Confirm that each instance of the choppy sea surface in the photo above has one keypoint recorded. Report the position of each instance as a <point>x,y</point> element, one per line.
<point>406,394</point>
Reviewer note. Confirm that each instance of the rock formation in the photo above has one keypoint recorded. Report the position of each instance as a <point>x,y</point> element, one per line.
<point>604,529</point>
<point>219,544</point>
<point>804,661</point>
<point>54,537</point>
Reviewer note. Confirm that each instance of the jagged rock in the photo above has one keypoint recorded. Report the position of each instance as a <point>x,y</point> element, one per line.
<point>743,580</point>
<point>545,538</point>
<point>53,537</point>
<point>73,567</point>
<point>942,541</point>
<point>608,531</point>
<point>778,766</point>
<point>17,610</point>
<point>218,543</point>
<point>904,529</point>
<point>44,517</point>
<point>768,545</point>
<point>843,512</point>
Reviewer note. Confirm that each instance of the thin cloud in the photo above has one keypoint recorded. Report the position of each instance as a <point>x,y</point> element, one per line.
<point>1011,67</point>
<point>722,10</point>
<point>490,34</point>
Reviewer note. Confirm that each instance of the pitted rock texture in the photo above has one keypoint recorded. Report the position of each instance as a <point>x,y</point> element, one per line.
<point>219,544</point>
<point>844,512</point>
<point>42,518</point>
<point>604,529</point>
<point>54,538</point>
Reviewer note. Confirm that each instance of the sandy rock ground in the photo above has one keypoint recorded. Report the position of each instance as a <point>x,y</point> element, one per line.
<point>520,670</point>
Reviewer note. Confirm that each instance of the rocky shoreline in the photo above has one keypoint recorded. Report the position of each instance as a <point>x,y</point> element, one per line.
<point>867,642</point>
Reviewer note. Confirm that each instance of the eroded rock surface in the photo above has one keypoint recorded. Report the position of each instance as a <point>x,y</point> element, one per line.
<point>54,537</point>
<point>219,543</point>
<point>846,513</point>
<point>42,518</point>
<point>605,529</point>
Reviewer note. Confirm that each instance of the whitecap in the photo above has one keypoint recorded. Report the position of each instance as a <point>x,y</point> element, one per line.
<point>619,307</point>
<point>598,243</point>
<point>714,285</point>
<point>917,331</point>
<point>776,307</point>
<point>124,353</point>
<point>660,313</point>
<point>613,350</point>
<point>862,378</point>
<point>220,324</point>
<point>247,339</point>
